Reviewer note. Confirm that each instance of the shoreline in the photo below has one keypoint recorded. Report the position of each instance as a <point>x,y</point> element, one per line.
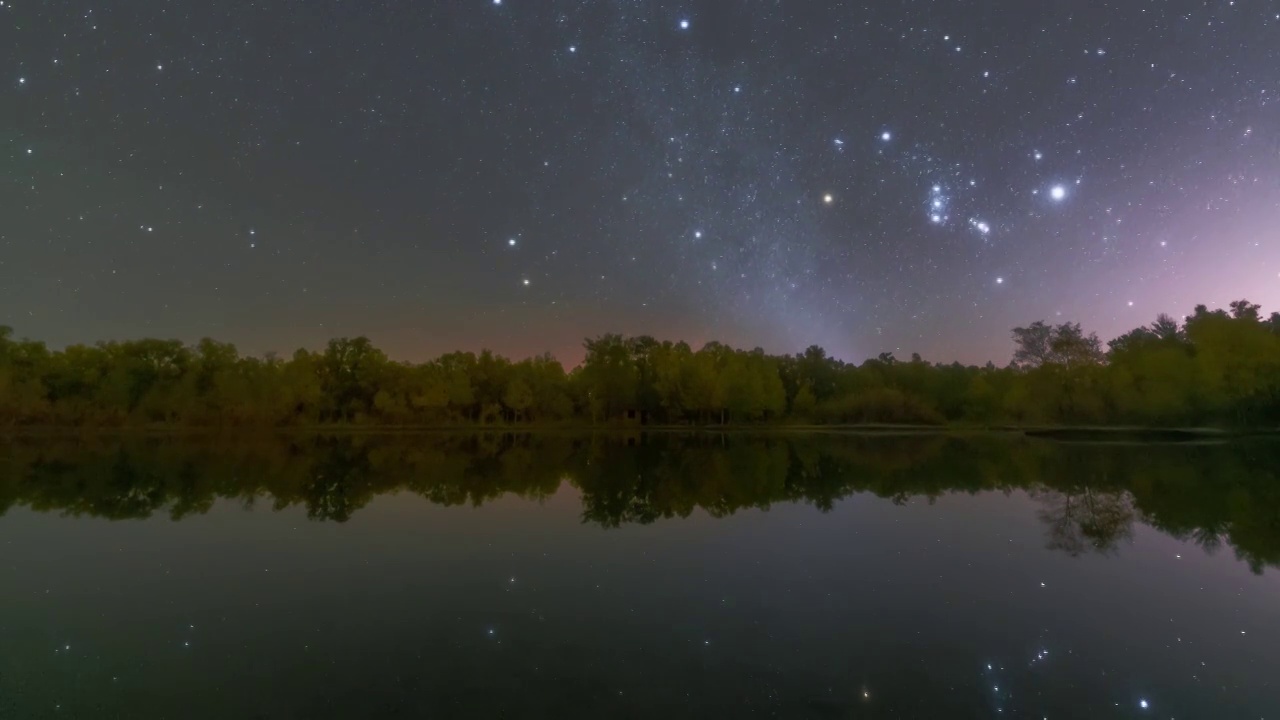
<point>1061,433</point>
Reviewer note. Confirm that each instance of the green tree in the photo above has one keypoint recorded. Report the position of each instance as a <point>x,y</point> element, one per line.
<point>349,372</point>
<point>609,376</point>
<point>518,398</point>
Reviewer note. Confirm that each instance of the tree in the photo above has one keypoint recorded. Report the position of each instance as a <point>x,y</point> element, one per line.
<point>804,402</point>
<point>1245,310</point>
<point>609,375</point>
<point>1039,344</point>
<point>518,398</point>
<point>349,373</point>
<point>1032,344</point>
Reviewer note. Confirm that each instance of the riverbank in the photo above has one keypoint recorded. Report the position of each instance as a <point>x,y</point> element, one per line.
<point>1064,433</point>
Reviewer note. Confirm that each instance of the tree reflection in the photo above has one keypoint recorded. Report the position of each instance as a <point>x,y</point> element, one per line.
<point>1086,520</point>
<point>1089,496</point>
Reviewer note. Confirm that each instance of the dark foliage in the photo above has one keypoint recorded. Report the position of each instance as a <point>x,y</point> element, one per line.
<point>1216,368</point>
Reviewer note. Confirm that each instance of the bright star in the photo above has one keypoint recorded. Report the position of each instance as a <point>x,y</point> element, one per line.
<point>999,281</point>
<point>828,198</point>
<point>886,136</point>
<point>936,218</point>
<point>22,81</point>
<point>684,24</point>
<point>1058,192</point>
<point>1038,155</point>
<point>573,48</point>
<point>526,281</point>
<point>697,233</point>
<point>1143,704</point>
<point>511,242</point>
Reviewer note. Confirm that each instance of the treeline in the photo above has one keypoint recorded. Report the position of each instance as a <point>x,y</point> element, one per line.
<point>1090,497</point>
<point>1214,368</point>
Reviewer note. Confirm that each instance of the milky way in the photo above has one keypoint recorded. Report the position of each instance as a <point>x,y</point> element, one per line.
<point>905,177</point>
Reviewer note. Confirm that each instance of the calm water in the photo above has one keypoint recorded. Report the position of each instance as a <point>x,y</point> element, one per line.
<point>815,576</point>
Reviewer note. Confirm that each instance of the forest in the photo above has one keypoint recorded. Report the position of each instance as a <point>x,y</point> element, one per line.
<point>1217,368</point>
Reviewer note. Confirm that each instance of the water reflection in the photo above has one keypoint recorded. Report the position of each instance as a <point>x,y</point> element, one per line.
<point>1090,496</point>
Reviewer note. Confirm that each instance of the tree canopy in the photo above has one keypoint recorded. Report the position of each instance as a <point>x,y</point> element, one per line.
<point>1219,367</point>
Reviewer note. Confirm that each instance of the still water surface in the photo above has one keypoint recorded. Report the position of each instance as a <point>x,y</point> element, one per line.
<point>549,576</point>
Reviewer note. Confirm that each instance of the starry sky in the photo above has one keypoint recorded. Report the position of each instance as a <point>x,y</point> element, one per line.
<point>520,174</point>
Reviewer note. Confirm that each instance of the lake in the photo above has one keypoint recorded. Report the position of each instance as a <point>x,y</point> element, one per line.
<point>553,576</point>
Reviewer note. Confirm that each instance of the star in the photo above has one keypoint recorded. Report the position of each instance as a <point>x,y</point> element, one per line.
<point>886,136</point>
<point>828,198</point>
<point>684,24</point>
<point>573,48</point>
<point>697,234</point>
<point>525,282</point>
<point>1143,704</point>
<point>1058,192</point>
<point>999,281</point>
<point>511,242</point>
<point>22,81</point>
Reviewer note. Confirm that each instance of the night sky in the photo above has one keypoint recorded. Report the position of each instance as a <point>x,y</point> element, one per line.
<point>520,174</point>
